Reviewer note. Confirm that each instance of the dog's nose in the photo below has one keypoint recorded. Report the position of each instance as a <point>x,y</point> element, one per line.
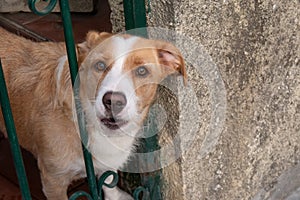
<point>114,102</point>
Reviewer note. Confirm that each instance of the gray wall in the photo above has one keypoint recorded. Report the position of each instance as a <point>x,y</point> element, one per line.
<point>255,45</point>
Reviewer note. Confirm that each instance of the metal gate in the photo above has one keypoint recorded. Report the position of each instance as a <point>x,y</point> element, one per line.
<point>135,17</point>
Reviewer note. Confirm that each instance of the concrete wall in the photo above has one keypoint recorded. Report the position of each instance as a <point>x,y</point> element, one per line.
<point>256,46</point>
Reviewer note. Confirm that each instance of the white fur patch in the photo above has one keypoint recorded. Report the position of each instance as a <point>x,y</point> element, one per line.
<point>105,144</point>
<point>117,81</point>
<point>111,147</point>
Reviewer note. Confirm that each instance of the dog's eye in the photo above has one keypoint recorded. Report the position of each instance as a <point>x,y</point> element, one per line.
<point>141,71</point>
<point>100,66</point>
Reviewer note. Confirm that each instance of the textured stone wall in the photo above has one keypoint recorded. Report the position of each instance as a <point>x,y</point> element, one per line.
<point>256,46</point>
<point>117,15</point>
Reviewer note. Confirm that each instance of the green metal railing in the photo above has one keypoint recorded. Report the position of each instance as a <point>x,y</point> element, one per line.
<point>11,133</point>
<point>135,14</point>
<point>135,17</point>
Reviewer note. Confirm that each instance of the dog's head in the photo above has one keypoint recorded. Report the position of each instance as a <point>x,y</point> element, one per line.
<point>119,77</point>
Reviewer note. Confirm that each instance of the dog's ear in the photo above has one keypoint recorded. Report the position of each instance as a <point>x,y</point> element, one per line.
<point>171,59</point>
<point>93,38</point>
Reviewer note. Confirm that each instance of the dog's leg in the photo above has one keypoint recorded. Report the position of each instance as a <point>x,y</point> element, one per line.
<point>115,193</point>
<point>54,186</point>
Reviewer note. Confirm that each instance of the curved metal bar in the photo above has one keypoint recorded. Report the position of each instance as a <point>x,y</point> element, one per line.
<point>103,177</point>
<point>80,194</point>
<point>138,191</point>
<point>51,5</point>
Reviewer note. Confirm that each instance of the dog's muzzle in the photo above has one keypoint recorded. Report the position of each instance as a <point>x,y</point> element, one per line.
<point>114,103</point>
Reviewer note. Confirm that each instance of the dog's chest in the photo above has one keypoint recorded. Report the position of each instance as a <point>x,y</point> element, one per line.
<point>111,153</point>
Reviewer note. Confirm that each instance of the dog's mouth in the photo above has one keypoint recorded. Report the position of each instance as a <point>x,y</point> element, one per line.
<point>113,123</point>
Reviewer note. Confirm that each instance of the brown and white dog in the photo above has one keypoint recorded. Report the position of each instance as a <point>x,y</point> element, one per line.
<point>119,75</point>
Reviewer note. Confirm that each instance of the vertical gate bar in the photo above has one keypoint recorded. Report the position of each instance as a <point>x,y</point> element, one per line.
<point>69,38</point>
<point>70,44</point>
<point>13,140</point>
<point>135,17</point>
<point>135,14</point>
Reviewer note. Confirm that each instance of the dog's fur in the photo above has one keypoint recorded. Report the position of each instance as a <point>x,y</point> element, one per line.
<point>38,81</point>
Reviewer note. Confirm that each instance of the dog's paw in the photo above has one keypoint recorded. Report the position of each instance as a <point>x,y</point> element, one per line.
<point>116,194</point>
<point>126,197</point>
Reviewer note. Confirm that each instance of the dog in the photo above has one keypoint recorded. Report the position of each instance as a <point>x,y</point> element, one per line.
<point>119,75</point>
